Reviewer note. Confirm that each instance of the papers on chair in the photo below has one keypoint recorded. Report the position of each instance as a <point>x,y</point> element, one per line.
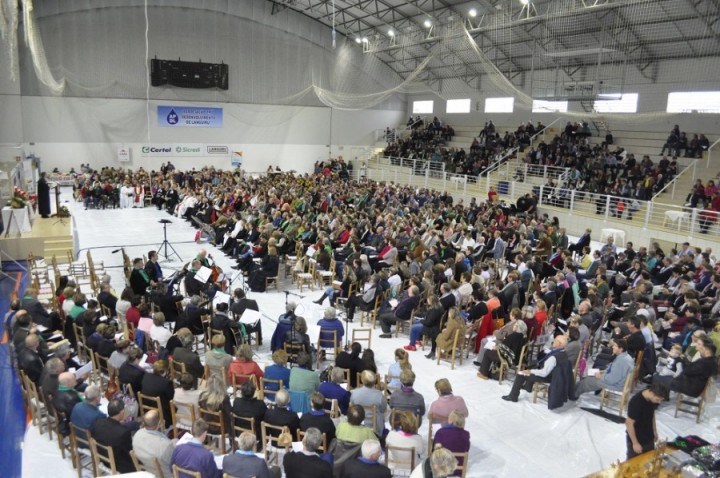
<point>203,275</point>
<point>40,328</point>
<point>393,303</point>
<point>250,317</point>
<point>297,446</point>
<point>84,370</point>
<point>310,251</point>
<point>490,344</point>
<point>187,438</point>
<point>221,298</point>
<point>145,324</point>
<point>592,371</point>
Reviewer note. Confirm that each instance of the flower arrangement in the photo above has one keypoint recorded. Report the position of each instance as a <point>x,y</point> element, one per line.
<point>18,198</point>
<point>63,212</point>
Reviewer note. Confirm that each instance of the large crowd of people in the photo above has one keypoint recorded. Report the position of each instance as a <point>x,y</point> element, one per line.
<point>499,276</point>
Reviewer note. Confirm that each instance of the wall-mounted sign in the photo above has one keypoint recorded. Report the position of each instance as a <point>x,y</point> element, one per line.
<point>189,117</point>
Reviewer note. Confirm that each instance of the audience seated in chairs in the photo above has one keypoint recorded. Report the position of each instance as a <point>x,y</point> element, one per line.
<point>446,402</point>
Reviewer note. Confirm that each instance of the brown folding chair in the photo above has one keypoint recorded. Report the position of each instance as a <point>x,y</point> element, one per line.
<point>250,428</point>
<point>238,379</point>
<point>400,459</point>
<point>216,421</point>
<point>180,472</point>
<point>104,458</point>
<point>323,447</point>
<point>183,416</point>
<point>155,469</point>
<point>79,448</point>
<point>147,403</point>
<point>270,442</point>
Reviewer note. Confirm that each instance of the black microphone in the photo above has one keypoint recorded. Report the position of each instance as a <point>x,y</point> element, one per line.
<point>116,250</point>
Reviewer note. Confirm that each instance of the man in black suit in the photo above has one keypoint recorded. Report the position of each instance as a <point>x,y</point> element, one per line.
<point>139,279</point>
<point>280,416</point>
<point>192,316</point>
<point>447,298</point>
<point>402,312</point>
<point>110,432</point>
<point>157,384</point>
<point>367,465</point>
<point>238,307</point>
<point>29,359</point>
<point>307,462</point>
<point>351,361</point>
<point>130,372</point>
<point>318,418</point>
<point>167,302</point>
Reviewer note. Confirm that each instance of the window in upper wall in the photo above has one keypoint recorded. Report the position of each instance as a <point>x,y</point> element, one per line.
<point>540,106</point>
<point>423,107</point>
<point>499,105</point>
<point>627,103</point>
<point>458,106</point>
<point>694,101</point>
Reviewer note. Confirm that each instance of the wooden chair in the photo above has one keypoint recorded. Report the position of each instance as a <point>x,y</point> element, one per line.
<point>216,421</point>
<point>104,458</point>
<point>147,403</point>
<point>430,418</point>
<point>80,341</point>
<point>292,351</point>
<point>176,371</point>
<point>270,439</point>
<point>404,325</point>
<point>362,336</point>
<point>80,448</point>
<point>204,339</point>
<point>371,315</point>
<point>306,278</point>
<point>183,416</point>
<point>325,278</point>
<point>106,311</point>
<point>462,466</point>
<point>609,398</point>
<point>636,370</point>
<point>323,448</point>
<point>329,345</point>
<point>332,407</point>
<point>238,379</point>
<point>371,415</point>
<point>505,367</point>
<point>238,429</point>
<point>220,372</point>
<point>400,459</point>
<point>101,370</point>
<point>155,469</point>
<point>39,413</point>
<point>693,406</point>
<point>180,472</point>
<point>268,394</point>
<point>541,390</point>
<point>454,353</point>
<point>53,423</point>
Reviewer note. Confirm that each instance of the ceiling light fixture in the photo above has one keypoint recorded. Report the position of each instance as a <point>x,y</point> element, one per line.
<point>358,40</point>
<point>472,13</point>
<point>364,39</point>
<point>391,33</point>
<point>427,23</point>
<point>524,2</point>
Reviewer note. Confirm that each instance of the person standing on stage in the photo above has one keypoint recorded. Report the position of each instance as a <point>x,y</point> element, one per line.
<point>640,427</point>
<point>43,196</point>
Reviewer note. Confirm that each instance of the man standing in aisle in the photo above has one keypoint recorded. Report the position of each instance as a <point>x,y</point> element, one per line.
<point>640,426</point>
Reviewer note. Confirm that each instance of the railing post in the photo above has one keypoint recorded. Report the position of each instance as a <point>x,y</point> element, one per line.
<point>487,182</point>
<point>427,175</point>
<point>607,207</point>
<point>694,169</point>
<point>444,188</point>
<point>648,213</point>
<point>465,185</point>
<point>545,172</point>
<point>572,201</point>
<point>512,191</point>
<point>395,176</point>
<point>693,221</point>
<point>540,199</point>
<point>673,189</point>
<point>410,176</point>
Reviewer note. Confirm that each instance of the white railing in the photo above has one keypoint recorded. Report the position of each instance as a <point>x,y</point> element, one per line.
<point>678,219</point>
<point>417,165</point>
<point>710,150</point>
<point>692,167</point>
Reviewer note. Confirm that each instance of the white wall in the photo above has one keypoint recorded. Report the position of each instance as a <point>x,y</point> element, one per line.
<point>66,132</point>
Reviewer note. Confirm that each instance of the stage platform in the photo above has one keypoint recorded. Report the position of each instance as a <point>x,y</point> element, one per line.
<point>47,237</point>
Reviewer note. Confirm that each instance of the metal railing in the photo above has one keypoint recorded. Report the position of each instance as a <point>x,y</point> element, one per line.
<point>710,150</point>
<point>692,167</point>
<point>647,214</point>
